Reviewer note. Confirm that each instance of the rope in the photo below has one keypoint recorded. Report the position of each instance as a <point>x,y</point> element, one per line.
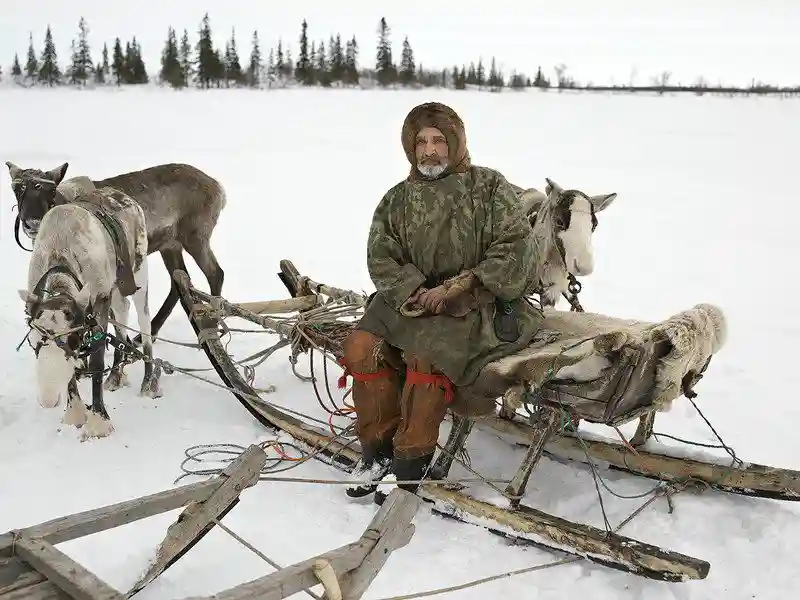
<point>231,451</point>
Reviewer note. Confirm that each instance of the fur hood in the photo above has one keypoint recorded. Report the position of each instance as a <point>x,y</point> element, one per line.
<point>446,120</point>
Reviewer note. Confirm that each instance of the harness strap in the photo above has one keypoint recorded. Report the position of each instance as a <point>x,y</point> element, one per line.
<point>417,378</point>
<point>17,224</point>
<point>125,279</point>
<point>363,377</point>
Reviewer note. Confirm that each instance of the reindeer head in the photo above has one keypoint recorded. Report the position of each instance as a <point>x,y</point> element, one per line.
<point>60,334</point>
<point>35,191</point>
<point>573,216</point>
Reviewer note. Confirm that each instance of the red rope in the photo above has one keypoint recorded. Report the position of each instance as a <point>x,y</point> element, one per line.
<point>417,378</point>
<point>342,383</point>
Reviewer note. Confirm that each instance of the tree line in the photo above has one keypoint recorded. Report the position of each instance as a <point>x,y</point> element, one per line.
<point>322,62</point>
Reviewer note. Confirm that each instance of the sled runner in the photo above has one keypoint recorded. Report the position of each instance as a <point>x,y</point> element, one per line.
<point>580,367</point>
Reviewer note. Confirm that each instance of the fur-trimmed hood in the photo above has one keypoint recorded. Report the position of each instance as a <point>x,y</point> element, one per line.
<point>446,120</point>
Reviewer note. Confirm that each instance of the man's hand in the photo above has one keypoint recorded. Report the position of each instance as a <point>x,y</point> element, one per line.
<point>433,300</point>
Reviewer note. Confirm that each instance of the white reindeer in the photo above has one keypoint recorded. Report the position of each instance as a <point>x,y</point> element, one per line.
<point>73,284</point>
<point>563,222</point>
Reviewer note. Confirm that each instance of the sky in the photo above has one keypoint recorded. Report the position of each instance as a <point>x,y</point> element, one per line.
<point>609,41</point>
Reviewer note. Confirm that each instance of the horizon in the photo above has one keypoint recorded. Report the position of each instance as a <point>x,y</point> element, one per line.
<point>616,43</point>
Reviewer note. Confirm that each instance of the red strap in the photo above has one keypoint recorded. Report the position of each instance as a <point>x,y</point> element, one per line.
<point>417,378</point>
<point>382,374</point>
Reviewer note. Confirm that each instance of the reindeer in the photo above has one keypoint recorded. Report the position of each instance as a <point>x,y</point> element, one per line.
<point>89,256</point>
<point>181,205</point>
<point>563,222</point>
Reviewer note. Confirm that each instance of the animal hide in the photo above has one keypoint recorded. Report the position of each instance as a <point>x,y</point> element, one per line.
<point>600,366</point>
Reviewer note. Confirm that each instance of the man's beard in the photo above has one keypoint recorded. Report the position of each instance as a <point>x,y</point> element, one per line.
<point>432,171</point>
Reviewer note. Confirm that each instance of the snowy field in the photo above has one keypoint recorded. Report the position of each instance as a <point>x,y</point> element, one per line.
<point>706,212</point>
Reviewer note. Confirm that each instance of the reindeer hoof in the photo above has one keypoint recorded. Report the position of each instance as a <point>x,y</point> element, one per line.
<point>116,380</point>
<point>96,426</point>
<point>151,388</point>
<point>75,415</point>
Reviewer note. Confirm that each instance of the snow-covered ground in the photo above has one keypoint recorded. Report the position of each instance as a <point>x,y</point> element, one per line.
<point>706,213</point>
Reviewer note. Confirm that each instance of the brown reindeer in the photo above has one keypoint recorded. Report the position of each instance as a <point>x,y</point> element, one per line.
<point>181,205</point>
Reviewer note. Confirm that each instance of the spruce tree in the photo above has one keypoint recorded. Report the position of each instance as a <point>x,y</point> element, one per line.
<point>302,71</point>
<point>72,68</point>
<point>480,74</point>
<point>118,63</point>
<point>321,70</point>
<point>127,69</point>
<point>32,64</point>
<point>233,66</point>
<point>407,67</point>
<point>255,66</point>
<point>383,56</point>
<point>336,60</point>
<point>206,57</point>
<point>271,73</point>
<point>280,64</point>
<point>351,62</point>
<point>82,67</point>
<point>185,58</point>
<point>171,72</point>
<point>16,69</point>
<point>49,71</point>
<point>136,67</point>
<point>105,67</point>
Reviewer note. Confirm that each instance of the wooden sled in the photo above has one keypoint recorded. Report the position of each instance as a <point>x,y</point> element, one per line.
<point>32,568</point>
<point>544,434</point>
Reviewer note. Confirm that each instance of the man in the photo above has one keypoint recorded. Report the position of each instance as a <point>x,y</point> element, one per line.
<point>451,256</point>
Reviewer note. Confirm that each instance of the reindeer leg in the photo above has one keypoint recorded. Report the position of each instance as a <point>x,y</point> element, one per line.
<point>199,248</point>
<point>75,414</point>
<point>120,307</point>
<point>173,259</point>
<point>150,381</point>
<point>98,423</point>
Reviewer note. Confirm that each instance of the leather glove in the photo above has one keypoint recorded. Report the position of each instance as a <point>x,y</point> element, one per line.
<point>434,300</point>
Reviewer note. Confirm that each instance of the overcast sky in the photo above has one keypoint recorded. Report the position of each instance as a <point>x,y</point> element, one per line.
<point>728,41</point>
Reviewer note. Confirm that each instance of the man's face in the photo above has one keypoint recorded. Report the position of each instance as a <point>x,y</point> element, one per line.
<point>431,152</point>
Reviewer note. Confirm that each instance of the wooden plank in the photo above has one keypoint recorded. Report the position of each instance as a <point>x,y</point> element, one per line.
<point>15,574</point>
<point>92,521</point>
<point>64,572</point>
<point>298,577</point>
<point>298,285</point>
<point>752,480</point>
<point>275,307</point>
<point>548,422</point>
<point>45,590</point>
<point>197,518</point>
<point>597,545</point>
<point>393,529</point>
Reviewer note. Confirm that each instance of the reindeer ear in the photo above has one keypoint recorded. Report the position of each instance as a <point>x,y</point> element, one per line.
<point>552,186</point>
<point>13,169</point>
<point>531,201</point>
<point>602,201</point>
<point>27,297</point>
<point>58,173</point>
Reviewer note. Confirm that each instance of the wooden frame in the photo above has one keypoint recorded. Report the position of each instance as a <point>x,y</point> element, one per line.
<point>32,568</point>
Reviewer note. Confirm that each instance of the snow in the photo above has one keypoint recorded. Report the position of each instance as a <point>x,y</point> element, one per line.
<point>705,213</point>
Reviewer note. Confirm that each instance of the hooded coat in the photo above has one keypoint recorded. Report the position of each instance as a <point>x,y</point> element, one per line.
<point>425,231</point>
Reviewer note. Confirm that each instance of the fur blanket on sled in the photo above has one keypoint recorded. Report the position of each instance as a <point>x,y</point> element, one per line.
<point>597,360</point>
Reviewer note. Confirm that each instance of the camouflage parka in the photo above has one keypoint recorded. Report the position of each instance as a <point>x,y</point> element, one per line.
<point>425,231</point>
